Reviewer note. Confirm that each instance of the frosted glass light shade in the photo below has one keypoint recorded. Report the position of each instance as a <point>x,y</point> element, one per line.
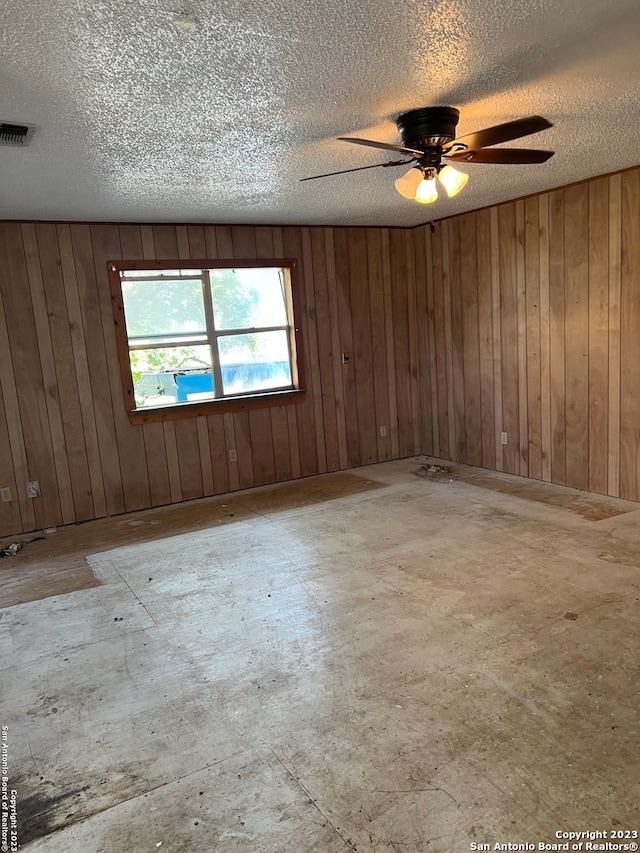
<point>408,183</point>
<point>452,180</point>
<point>427,191</point>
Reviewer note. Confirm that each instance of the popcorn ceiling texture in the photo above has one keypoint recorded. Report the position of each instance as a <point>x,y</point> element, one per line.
<point>140,120</point>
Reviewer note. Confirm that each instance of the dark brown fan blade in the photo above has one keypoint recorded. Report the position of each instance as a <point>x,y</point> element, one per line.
<point>387,147</point>
<point>500,155</point>
<point>358,169</point>
<point>502,132</point>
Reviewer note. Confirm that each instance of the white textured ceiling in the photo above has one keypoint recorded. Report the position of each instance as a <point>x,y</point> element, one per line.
<point>141,120</point>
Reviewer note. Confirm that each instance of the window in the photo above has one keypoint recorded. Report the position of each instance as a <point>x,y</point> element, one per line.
<point>205,336</point>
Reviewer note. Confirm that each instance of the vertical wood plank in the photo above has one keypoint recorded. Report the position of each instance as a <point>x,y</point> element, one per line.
<point>190,466</point>
<point>262,446</point>
<point>496,324</point>
<point>243,241</point>
<point>224,241</point>
<point>630,338</point>
<point>442,346</point>
<point>598,334</point>
<point>457,341</point>
<point>156,457</point>
<point>281,449</point>
<point>402,358</point>
<point>448,337</point>
<point>470,339</point>
<point>197,247</point>
<point>204,449</point>
<point>173,460</point>
<point>422,322</point>
<point>532,362</point>
<point>211,242</point>
<point>431,356</point>
<point>362,352</point>
<point>412,319</point>
<point>325,393</point>
<point>182,240</point>
<point>388,333</point>
<point>545,352</point>
<point>294,445</point>
<point>509,336</point>
<point>485,341</point>
<point>218,426</point>
<point>264,242</point>
<point>334,325</point>
<point>576,261</point>
<point>311,349</point>
<point>615,266</point>
<point>246,473</point>
<point>346,345</point>
<point>10,517</point>
<point>557,336</point>
<point>523,427</point>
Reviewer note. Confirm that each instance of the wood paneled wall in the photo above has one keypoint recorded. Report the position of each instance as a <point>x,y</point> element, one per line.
<point>522,318</point>
<point>62,417</point>
<point>533,329</point>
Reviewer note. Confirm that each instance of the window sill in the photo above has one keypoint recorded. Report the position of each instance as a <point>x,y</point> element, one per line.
<point>215,407</point>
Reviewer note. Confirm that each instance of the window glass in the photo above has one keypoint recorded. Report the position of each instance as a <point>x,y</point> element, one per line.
<point>164,306</point>
<point>254,362</point>
<point>248,298</point>
<point>154,372</point>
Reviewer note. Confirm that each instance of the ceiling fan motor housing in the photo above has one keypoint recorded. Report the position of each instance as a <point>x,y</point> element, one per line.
<point>429,127</point>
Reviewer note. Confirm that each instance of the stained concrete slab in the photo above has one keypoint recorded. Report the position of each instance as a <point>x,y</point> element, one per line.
<point>400,664</point>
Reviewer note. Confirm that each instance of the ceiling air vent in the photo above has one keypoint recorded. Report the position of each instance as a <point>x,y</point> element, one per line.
<point>15,134</point>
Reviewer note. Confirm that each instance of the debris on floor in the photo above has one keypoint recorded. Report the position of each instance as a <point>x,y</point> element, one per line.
<point>12,549</point>
<point>429,469</point>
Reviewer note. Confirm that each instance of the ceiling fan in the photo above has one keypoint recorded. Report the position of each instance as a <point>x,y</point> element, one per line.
<point>429,136</point>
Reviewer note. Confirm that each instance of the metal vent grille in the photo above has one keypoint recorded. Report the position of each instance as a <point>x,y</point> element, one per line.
<point>15,135</point>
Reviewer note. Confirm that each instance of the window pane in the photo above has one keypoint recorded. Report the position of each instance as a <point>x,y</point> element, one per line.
<point>254,362</point>
<point>156,374</point>
<point>248,298</point>
<point>163,307</point>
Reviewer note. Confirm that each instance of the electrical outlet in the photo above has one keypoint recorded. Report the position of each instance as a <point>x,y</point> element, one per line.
<point>233,456</point>
<point>503,438</point>
<point>33,489</point>
<point>5,494</point>
<point>383,431</point>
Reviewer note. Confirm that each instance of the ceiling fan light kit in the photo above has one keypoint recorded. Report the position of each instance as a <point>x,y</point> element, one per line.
<point>429,136</point>
<point>418,185</point>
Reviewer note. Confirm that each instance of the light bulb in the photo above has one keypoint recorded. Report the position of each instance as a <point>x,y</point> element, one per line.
<point>427,191</point>
<point>408,183</point>
<point>452,180</point>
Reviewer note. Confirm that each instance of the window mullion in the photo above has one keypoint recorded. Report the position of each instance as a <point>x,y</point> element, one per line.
<point>216,370</point>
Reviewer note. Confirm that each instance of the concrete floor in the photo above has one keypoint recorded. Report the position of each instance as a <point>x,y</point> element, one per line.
<point>372,661</point>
